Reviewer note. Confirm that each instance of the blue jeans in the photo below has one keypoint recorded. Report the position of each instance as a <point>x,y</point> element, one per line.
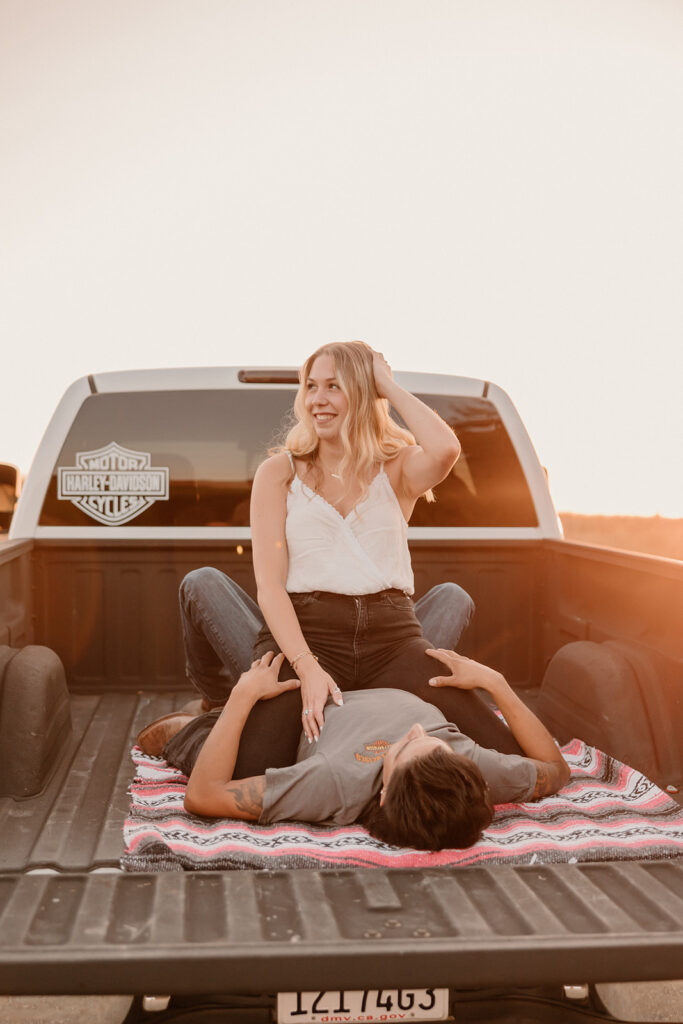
<point>372,641</point>
<point>221,624</point>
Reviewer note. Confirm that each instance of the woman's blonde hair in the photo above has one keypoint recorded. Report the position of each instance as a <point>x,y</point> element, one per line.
<point>368,433</point>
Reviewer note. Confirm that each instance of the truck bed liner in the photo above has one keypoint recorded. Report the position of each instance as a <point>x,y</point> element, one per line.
<point>76,823</point>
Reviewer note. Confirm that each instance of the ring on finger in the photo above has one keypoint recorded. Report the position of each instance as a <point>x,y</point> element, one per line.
<point>307,711</point>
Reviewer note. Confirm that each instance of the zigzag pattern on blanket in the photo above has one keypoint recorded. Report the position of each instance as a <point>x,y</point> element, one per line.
<point>607,811</point>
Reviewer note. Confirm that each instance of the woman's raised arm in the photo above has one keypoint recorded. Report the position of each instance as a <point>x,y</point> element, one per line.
<point>437,450</point>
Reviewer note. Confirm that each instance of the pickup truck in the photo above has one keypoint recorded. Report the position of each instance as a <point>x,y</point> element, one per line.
<point>144,475</point>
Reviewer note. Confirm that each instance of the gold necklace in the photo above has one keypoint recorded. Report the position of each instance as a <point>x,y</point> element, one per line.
<point>335,476</point>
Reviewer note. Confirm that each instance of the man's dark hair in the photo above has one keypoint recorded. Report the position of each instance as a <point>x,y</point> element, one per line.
<point>435,802</point>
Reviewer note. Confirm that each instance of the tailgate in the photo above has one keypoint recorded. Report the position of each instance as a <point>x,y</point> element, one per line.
<point>251,932</point>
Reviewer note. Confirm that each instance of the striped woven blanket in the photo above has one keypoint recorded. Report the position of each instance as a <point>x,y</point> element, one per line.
<point>607,811</point>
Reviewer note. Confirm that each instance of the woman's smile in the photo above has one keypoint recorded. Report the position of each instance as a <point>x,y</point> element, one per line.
<point>325,400</point>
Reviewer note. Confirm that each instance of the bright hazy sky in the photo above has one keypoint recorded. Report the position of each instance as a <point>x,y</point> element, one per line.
<point>490,188</point>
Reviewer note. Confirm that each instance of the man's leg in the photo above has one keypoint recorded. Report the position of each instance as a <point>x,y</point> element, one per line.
<point>444,613</point>
<point>220,623</point>
<point>394,656</point>
<point>270,737</point>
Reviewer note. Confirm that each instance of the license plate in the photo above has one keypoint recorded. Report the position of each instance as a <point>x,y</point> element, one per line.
<point>389,1004</point>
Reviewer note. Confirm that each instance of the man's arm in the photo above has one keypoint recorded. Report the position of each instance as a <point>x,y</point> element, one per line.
<point>211,790</point>
<point>552,771</point>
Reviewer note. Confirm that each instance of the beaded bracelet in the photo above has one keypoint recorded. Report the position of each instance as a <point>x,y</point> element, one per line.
<point>302,655</point>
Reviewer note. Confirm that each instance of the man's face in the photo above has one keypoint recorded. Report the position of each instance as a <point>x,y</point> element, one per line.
<point>414,744</point>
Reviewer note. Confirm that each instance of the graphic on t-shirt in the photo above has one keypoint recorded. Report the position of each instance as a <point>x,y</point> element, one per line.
<point>374,751</point>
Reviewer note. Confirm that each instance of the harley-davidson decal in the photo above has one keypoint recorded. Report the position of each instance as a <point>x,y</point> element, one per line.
<point>113,484</point>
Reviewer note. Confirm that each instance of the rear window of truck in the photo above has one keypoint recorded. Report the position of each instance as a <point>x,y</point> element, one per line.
<point>187,458</point>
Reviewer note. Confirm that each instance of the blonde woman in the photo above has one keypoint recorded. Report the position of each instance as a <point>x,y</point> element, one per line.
<point>329,520</point>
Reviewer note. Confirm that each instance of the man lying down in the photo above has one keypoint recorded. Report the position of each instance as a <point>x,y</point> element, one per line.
<point>385,758</point>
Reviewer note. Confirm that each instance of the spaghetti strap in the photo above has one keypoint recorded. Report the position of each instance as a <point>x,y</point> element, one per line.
<point>291,461</point>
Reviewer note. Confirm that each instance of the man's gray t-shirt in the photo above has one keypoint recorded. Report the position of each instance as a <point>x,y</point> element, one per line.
<point>335,778</point>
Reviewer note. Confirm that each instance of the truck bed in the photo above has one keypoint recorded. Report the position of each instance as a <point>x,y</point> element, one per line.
<point>70,921</point>
<point>76,823</point>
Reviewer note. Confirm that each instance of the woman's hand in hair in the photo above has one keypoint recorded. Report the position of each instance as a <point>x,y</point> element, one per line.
<point>316,686</point>
<point>384,378</point>
<point>466,674</point>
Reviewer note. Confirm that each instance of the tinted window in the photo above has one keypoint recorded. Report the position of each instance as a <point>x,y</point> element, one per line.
<point>210,442</point>
<point>187,458</point>
<point>487,485</point>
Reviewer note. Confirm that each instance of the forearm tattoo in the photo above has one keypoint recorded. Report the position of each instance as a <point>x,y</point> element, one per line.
<point>543,787</point>
<point>550,777</point>
<point>248,794</point>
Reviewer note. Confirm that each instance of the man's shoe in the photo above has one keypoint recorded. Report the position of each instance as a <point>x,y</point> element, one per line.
<point>154,737</point>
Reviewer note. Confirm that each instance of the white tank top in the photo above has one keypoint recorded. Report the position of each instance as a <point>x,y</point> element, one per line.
<point>361,553</point>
